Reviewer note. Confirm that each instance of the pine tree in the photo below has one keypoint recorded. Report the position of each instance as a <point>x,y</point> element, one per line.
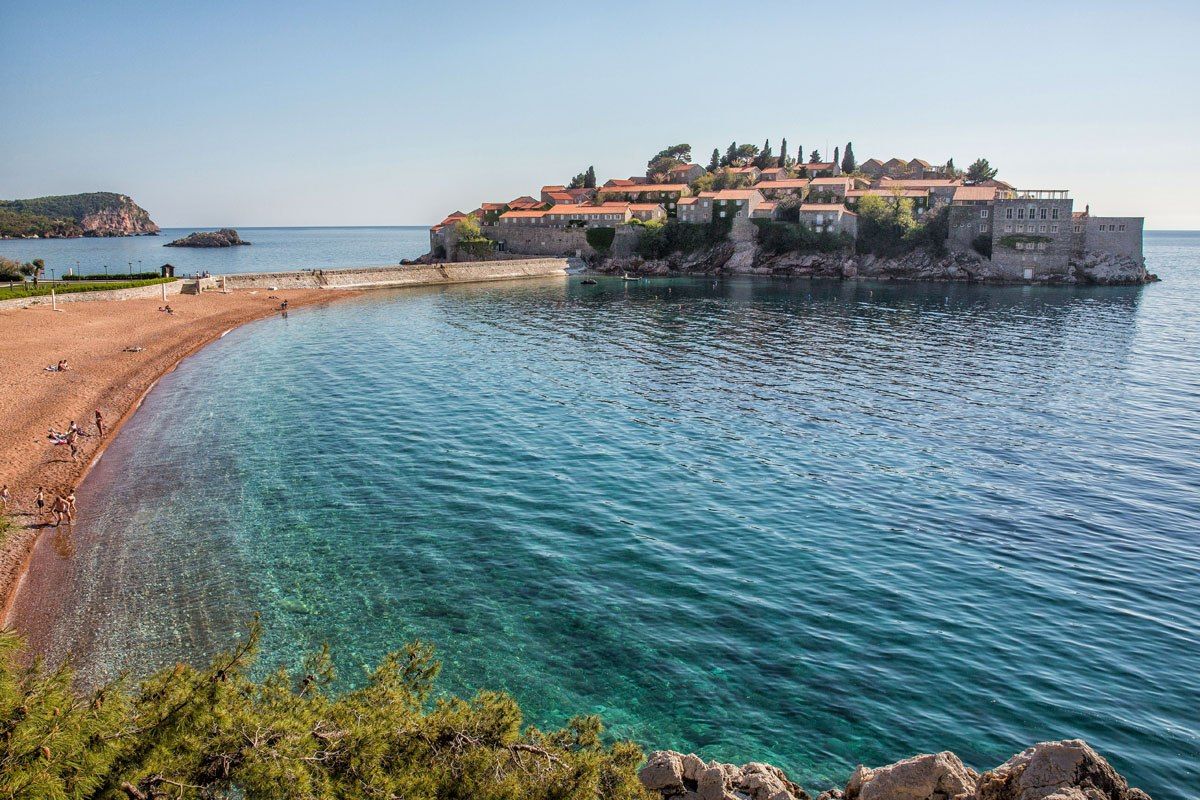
<point>730,154</point>
<point>714,163</point>
<point>950,170</point>
<point>848,163</point>
<point>783,157</point>
<point>814,157</point>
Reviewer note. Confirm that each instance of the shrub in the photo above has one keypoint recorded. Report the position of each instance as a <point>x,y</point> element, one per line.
<point>215,732</point>
<point>659,239</point>
<point>982,244</point>
<point>601,239</point>
<point>114,276</point>
<point>791,237</point>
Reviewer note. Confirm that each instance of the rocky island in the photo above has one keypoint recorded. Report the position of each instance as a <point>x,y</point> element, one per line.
<point>225,237</point>
<point>74,215</point>
<point>755,211</point>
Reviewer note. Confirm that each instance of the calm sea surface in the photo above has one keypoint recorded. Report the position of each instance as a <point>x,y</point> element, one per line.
<point>811,523</point>
<point>271,249</point>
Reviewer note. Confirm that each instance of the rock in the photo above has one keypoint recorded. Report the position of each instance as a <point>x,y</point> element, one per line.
<point>225,237</point>
<point>663,773</point>
<point>925,777</point>
<point>1063,770</point>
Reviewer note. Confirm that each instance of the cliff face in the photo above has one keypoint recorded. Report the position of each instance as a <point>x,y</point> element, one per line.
<point>72,215</point>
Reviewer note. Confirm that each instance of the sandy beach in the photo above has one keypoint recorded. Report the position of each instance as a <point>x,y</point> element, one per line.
<point>93,337</point>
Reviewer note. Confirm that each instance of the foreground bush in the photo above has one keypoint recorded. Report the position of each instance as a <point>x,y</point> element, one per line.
<point>43,289</point>
<point>216,733</point>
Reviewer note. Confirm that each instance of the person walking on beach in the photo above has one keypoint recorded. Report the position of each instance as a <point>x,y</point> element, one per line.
<point>73,441</point>
<point>70,498</point>
<point>99,423</point>
<point>4,498</point>
<point>61,510</point>
<point>40,502</point>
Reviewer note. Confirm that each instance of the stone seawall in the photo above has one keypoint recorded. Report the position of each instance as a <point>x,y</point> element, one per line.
<point>134,293</point>
<point>401,275</point>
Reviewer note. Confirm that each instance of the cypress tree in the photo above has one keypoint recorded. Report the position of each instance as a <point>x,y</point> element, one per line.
<point>783,153</point>
<point>714,163</point>
<point>836,156</point>
<point>848,162</point>
<point>730,154</point>
<point>589,178</point>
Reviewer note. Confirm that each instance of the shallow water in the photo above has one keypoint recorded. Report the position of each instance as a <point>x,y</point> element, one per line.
<point>811,523</point>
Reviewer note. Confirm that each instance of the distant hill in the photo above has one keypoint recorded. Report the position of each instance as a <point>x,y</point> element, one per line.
<point>71,215</point>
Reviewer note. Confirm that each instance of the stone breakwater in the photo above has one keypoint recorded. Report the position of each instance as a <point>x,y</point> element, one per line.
<point>747,258</point>
<point>401,275</point>
<point>1063,770</point>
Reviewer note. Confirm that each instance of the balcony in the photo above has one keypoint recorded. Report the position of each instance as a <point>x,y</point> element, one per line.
<point>1032,194</point>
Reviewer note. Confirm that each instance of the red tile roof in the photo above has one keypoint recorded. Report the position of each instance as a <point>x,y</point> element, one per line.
<point>917,183</point>
<point>645,187</point>
<point>966,193</point>
<point>732,194</point>
<point>521,214</point>
<point>784,183</point>
<point>587,211</point>
<point>822,207</point>
<point>888,192</point>
<point>831,181</point>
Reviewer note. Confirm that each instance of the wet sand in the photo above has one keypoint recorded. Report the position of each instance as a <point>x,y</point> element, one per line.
<point>92,336</point>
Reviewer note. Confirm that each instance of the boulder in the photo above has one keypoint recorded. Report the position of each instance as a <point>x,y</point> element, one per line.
<point>941,776</point>
<point>1065,770</point>
<point>663,773</point>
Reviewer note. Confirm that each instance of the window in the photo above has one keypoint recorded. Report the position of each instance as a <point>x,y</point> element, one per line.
<point>1042,228</point>
<point>1054,213</point>
<point>1042,213</point>
<point>1008,228</point>
<point>1020,229</point>
<point>1020,245</point>
<point>1078,228</point>
<point>1020,213</point>
<point>1041,245</point>
<point>983,227</point>
<point>983,213</point>
<point>1112,227</point>
<point>1032,211</point>
<point>1008,213</point>
<point>1054,229</point>
<point>1121,227</point>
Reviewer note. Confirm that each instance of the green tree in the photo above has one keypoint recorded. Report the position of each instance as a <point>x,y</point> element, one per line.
<point>589,178</point>
<point>836,156</point>
<point>783,156</point>
<point>765,157</point>
<point>848,163</point>
<point>714,163</point>
<point>681,153</point>
<point>980,171</point>
<point>745,154</point>
<point>814,157</point>
<point>730,155</point>
<point>951,170</point>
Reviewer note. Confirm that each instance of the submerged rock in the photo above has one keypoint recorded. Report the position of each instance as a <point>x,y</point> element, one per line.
<point>225,237</point>
<point>1064,770</point>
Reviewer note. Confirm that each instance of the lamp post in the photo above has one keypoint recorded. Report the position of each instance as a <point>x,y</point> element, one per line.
<point>106,270</point>
<point>139,265</point>
<point>131,269</point>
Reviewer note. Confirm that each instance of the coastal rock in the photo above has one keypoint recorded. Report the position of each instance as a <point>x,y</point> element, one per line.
<point>1063,770</point>
<point>1109,270</point>
<point>940,776</point>
<point>225,237</point>
<point>688,777</point>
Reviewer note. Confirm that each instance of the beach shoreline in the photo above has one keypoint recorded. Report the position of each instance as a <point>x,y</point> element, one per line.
<point>93,337</point>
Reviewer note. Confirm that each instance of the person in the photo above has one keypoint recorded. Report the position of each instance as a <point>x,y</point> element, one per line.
<point>70,498</point>
<point>40,501</point>
<point>284,307</point>
<point>4,497</point>
<point>62,366</point>
<point>73,442</point>
<point>61,510</point>
<point>99,423</point>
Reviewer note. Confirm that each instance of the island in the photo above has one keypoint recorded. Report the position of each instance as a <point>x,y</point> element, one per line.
<point>71,216</point>
<point>754,211</point>
<point>225,237</point>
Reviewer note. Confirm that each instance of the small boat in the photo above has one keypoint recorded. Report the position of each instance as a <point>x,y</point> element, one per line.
<point>587,282</point>
<point>626,277</point>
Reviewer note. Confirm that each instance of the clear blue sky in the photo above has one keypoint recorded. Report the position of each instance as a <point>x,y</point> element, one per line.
<point>254,113</point>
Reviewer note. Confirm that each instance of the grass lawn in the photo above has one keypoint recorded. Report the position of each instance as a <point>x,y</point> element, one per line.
<point>68,287</point>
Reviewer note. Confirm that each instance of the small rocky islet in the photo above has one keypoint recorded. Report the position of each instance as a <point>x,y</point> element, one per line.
<point>1064,770</point>
<point>224,237</point>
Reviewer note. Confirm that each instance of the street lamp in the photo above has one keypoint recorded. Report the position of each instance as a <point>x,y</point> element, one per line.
<point>106,270</point>
<point>139,265</point>
<point>131,269</point>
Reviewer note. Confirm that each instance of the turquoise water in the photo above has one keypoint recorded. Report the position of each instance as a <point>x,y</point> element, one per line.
<point>811,523</point>
<point>271,249</point>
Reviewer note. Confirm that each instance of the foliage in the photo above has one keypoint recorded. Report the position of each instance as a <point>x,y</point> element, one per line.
<point>659,240</point>
<point>765,157</point>
<point>980,171</point>
<point>714,163</point>
<point>783,156</point>
<point>951,170</point>
<point>43,289</point>
<point>10,270</point>
<point>468,228</point>
<point>791,237</point>
<point>836,156</point>
<point>723,178</point>
<point>601,239</point>
<point>188,732</point>
<point>888,227</point>
<point>20,225</point>
<point>680,152</point>
<point>814,157</point>
<point>982,244</point>
<point>584,180</point>
<point>58,215</point>
<point>849,165</point>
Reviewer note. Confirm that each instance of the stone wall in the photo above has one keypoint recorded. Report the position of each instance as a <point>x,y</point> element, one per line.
<point>1113,236</point>
<point>1042,260</point>
<point>135,293</point>
<point>412,275</point>
<point>541,240</point>
<point>964,221</point>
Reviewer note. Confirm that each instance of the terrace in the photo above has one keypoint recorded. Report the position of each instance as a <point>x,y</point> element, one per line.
<point>1032,194</point>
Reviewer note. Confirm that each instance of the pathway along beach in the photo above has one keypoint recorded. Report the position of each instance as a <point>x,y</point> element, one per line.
<point>93,337</point>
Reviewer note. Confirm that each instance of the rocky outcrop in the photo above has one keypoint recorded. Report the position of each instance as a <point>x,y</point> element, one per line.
<point>741,255</point>
<point>125,218</point>
<point>74,215</point>
<point>1064,770</point>
<point>225,237</point>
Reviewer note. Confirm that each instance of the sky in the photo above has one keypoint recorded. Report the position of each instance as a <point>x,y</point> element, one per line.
<point>360,113</point>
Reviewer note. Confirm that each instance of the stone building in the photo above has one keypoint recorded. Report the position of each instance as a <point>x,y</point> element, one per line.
<point>781,187</point>
<point>830,190</point>
<point>733,203</point>
<point>668,194</point>
<point>921,199</point>
<point>647,211</point>
<point>696,210</point>
<point>685,173</point>
<point>829,218</point>
<point>1031,233</point>
<point>581,216</point>
<point>970,215</point>
<point>1120,237</point>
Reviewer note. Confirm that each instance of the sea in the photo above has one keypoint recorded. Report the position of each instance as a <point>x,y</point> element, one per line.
<point>813,523</point>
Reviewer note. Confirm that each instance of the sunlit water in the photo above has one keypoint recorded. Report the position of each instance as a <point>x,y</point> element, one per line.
<point>270,249</point>
<point>811,523</point>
